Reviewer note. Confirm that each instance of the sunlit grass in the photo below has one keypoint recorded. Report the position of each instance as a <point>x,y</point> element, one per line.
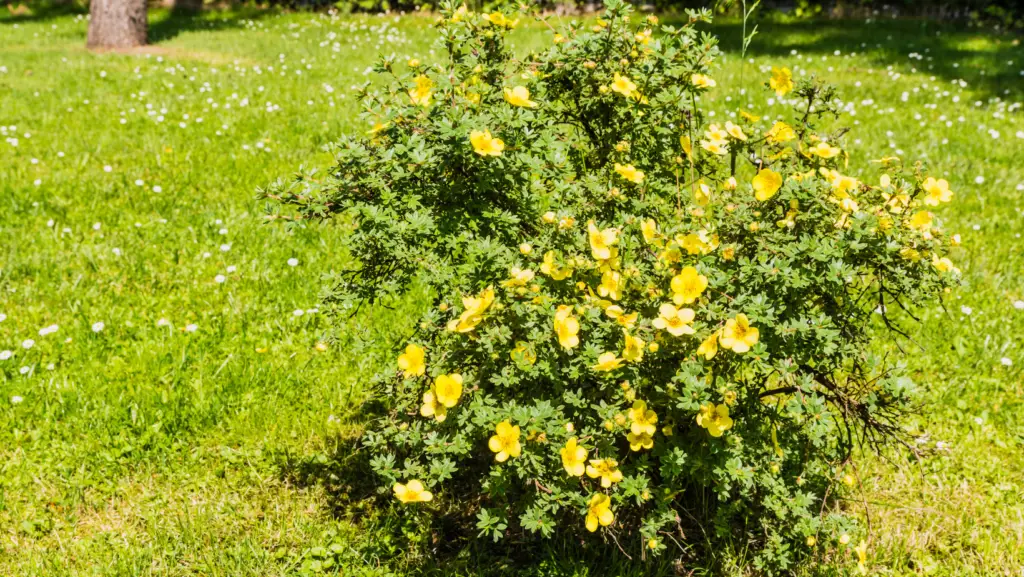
<point>194,432</point>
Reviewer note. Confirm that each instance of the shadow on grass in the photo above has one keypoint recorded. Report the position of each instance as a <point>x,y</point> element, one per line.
<point>980,57</point>
<point>451,547</point>
<point>167,24</point>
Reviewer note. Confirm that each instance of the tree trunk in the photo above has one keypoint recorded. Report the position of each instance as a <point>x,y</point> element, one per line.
<point>117,24</point>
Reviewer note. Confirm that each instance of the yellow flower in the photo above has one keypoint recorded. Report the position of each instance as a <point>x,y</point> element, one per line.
<point>420,95</point>
<point>702,194</point>
<point>634,348</point>
<point>630,173</point>
<point>610,285</point>
<point>523,354</point>
<point>842,186</point>
<point>780,132</point>
<point>599,512</point>
<point>411,361</point>
<point>749,117</point>
<point>715,147</point>
<point>475,308</point>
<point>552,269</point>
<point>644,419</point>
<point>505,442</point>
<point>734,131</point>
<point>715,419</point>
<point>448,389</point>
<point>520,277</point>
<point>675,321</point>
<point>910,254</point>
<point>649,228</point>
<point>699,243</point>
<point>574,458</point>
<point>644,37</point>
<point>601,241</point>
<point>766,184</point>
<point>566,327</point>
<point>716,134</point>
<point>500,20</point>
<point>484,144</point>
<point>922,221</point>
<point>862,557</point>
<point>702,81</point>
<point>412,492</point>
<point>624,86</point>
<point>687,144</point>
<point>519,96</point>
<point>738,335</point>
<point>824,150</point>
<point>459,14</point>
<point>687,286</point>
<point>781,81</point>
<point>558,39</point>
<point>937,191</point>
<point>640,441</point>
<point>709,348</point>
<point>378,127</point>
<point>605,469</point>
<point>607,362</point>
<point>432,407</point>
<point>620,316</point>
<point>944,264</point>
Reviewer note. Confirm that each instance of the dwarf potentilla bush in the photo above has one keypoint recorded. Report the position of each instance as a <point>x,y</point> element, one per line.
<point>644,326</point>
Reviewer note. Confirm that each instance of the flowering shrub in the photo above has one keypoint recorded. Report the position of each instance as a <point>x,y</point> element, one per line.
<point>644,325</point>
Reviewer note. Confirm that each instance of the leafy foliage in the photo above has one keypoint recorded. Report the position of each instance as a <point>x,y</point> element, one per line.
<point>644,324</point>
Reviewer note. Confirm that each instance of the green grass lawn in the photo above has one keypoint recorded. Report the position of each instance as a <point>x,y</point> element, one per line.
<point>172,401</point>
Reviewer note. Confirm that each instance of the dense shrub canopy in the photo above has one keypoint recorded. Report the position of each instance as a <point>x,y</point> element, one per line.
<point>644,324</point>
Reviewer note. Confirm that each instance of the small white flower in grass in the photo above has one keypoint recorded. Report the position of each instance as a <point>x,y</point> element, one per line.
<point>49,223</point>
<point>97,226</point>
<point>225,247</point>
<point>293,262</point>
<point>4,355</point>
<point>116,251</point>
<point>139,182</point>
<point>978,421</point>
<point>219,279</point>
<point>158,188</point>
<point>51,367</point>
<point>1019,305</point>
<point>1006,361</point>
<point>979,180</point>
<point>232,269</point>
<point>966,310</point>
<point>28,344</point>
<point>98,326</point>
<point>108,168</point>
<point>206,255</point>
<point>3,317</point>
<point>222,231</point>
<point>24,370</point>
<point>16,399</point>
<point>163,323</point>
<point>191,328</point>
<point>298,312</point>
